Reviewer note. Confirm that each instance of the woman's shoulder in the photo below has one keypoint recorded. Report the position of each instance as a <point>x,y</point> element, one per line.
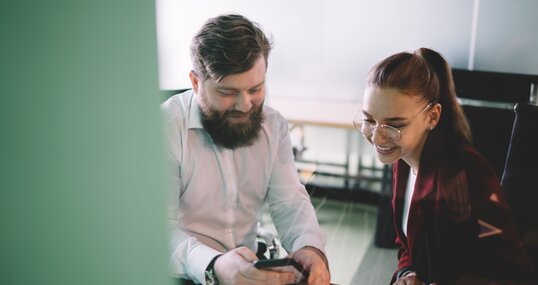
<point>466,178</point>
<point>480,176</point>
<point>473,161</point>
<point>465,159</point>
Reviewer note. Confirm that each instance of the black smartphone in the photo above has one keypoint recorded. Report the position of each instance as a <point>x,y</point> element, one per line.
<point>281,264</point>
<point>266,263</point>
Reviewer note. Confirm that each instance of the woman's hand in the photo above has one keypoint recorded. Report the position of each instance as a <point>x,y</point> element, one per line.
<point>409,279</point>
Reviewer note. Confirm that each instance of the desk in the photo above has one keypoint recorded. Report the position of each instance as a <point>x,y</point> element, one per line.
<point>335,114</point>
<point>325,113</point>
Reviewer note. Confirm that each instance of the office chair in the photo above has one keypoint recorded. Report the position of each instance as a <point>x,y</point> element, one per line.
<point>493,86</point>
<point>491,128</point>
<point>520,177</point>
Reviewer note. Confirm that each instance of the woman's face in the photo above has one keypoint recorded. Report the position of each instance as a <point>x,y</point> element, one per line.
<point>403,112</point>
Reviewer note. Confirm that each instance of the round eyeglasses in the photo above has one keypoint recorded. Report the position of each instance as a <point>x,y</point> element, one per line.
<point>367,127</point>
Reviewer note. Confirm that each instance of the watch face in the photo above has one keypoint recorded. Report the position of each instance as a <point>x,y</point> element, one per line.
<point>210,278</point>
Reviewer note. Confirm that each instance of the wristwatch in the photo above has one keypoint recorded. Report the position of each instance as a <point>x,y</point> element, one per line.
<point>210,275</point>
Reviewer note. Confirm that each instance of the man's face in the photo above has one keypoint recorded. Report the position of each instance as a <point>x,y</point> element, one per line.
<point>232,107</point>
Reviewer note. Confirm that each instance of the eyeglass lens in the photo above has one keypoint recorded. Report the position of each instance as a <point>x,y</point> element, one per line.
<point>367,129</point>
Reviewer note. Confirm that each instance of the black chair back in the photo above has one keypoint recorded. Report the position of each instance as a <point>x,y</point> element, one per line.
<point>493,86</point>
<point>491,128</point>
<point>520,177</point>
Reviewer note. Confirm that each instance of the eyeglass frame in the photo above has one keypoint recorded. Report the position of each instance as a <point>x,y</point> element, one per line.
<point>385,126</point>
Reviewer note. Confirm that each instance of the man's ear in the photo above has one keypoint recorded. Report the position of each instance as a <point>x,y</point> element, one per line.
<point>435,115</point>
<point>194,81</point>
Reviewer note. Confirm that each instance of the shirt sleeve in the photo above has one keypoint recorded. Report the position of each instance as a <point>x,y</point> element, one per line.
<point>188,256</point>
<point>290,206</point>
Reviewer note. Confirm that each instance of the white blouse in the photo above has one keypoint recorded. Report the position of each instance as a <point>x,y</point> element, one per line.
<point>408,196</point>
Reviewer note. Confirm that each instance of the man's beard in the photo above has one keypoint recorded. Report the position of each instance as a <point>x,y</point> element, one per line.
<point>233,135</point>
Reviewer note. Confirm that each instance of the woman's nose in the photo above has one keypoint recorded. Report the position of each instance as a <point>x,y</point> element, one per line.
<point>377,136</point>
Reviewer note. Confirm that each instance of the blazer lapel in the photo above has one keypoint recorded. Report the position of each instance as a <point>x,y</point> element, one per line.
<point>401,174</point>
<point>424,186</point>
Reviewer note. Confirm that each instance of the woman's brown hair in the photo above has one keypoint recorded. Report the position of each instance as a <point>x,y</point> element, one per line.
<point>425,73</point>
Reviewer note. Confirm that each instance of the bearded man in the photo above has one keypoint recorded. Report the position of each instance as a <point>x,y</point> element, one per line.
<point>229,155</point>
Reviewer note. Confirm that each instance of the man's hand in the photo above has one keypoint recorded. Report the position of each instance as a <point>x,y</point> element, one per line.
<point>236,267</point>
<point>409,279</point>
<point>314,262</point>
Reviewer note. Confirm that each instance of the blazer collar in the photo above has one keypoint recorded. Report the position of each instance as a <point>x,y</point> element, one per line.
<point>430,160</point>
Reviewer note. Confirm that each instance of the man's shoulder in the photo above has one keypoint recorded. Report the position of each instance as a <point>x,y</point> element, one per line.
<point>177,105</point>
<point>273,116</point>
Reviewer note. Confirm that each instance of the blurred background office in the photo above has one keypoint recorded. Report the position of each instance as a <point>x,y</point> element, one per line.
<point>322,53</point>
<point>82,190</point>
<point>324,50</point>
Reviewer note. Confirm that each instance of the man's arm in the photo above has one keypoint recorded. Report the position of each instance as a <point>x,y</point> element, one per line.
<point>289,203</point>
<point>293,213</point>
<point>189,257</point>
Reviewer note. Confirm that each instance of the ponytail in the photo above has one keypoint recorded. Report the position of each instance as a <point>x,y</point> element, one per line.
<point>453,120</point>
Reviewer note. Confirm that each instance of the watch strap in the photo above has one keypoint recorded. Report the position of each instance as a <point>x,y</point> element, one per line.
<point>210,275</point>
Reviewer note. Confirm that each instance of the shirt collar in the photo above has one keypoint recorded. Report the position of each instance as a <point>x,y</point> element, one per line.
<point>195,117</point>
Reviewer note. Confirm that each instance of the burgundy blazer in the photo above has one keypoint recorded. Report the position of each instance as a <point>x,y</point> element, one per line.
<point>456,192</point>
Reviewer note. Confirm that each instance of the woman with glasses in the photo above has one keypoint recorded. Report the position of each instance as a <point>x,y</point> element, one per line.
<point>453,225</point>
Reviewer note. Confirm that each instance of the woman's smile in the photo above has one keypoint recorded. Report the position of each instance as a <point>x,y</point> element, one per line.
<point>384,149</point>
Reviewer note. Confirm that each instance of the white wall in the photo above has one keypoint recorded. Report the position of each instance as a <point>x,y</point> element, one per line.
<point>324,49</point>
<point>507,36</point>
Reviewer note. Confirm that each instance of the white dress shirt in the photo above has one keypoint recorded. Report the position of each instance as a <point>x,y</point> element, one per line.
<point>217,194</point>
